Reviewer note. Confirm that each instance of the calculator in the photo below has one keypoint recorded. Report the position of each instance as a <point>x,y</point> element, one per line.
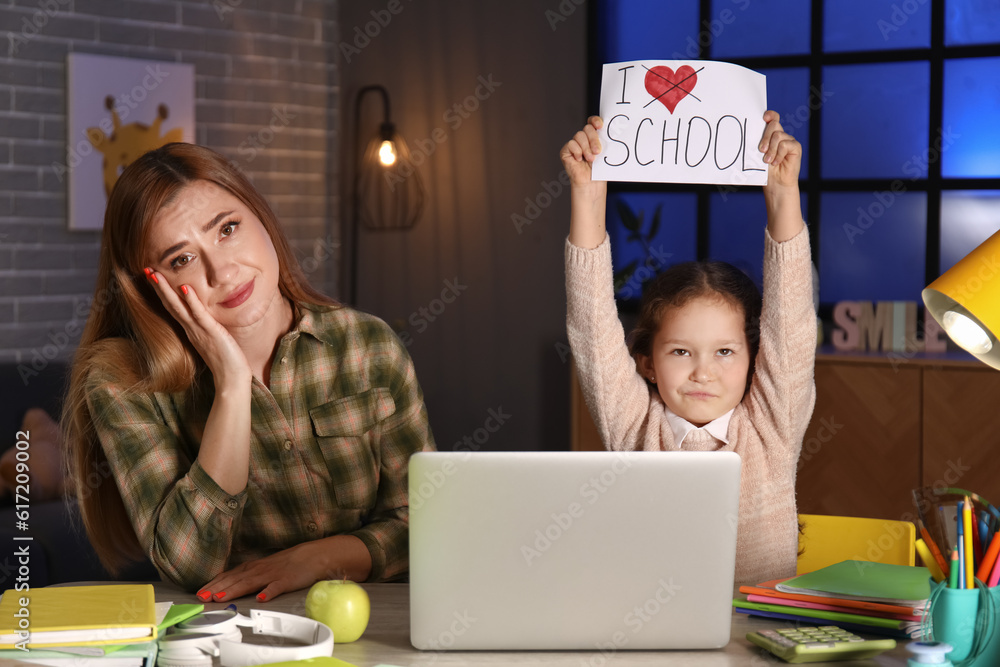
<point>818,644</point>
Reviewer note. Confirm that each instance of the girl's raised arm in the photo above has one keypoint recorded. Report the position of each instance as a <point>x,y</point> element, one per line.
<point>783,154</point>
<point>589,197</point>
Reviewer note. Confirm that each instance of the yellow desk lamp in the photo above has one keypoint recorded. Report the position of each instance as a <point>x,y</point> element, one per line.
<point>965,301</point>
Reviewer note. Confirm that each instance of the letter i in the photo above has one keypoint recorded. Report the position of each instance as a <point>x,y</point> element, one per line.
<point>624,80</point>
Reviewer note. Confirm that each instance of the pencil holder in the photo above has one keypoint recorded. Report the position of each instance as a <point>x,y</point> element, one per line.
<point>967,619</point>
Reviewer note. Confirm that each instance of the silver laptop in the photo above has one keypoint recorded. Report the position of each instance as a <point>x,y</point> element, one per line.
<point>572,550</point>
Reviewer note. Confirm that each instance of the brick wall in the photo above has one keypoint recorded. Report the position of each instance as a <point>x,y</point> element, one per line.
<point>266,86</point>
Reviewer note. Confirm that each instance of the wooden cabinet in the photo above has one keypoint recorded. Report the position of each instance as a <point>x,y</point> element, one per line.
<point>861,453</point>
<point>882,427</point>
<point>902,424</point>
<point>961,429</point>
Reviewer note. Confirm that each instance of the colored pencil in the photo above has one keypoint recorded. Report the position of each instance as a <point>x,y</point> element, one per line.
<point>953,573</point>
<point>986,567</point>
<point>977,546</point>
<point>932,545</point>
<point>928,559</point>
<point>969,568</point>
<point>995,577</point>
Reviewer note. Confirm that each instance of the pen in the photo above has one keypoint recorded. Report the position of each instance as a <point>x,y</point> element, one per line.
<point>932,545</point>
<point>986,567</point>
<point>967,527</point>
<point>953,573</point>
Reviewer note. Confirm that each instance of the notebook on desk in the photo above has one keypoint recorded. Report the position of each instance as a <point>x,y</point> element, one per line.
<point>572,550</point>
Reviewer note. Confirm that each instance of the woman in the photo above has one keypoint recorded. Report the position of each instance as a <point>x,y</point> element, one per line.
<point>238,428</point>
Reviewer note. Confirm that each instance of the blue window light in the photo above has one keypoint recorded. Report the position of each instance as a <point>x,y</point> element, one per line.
<point>876,120</point>
<point>737,222</point>
<point>971,22</point>
<point>863,25</point>
<point>649,30</point>
<point>967,219</point>
<point>872,245</point>
<point>742,28</point>
<point>970,142</point>
<point>640,254</point>
<point>788,93</point>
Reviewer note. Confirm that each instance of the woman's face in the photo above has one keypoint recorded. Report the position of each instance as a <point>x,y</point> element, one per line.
<point>209,240</point>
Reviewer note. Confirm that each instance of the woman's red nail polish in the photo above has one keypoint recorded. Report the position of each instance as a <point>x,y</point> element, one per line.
<point>184,288</point>
<point>261,597</point>
<point>220,596</point>
<point>205,595</point>
<point>152,276</point>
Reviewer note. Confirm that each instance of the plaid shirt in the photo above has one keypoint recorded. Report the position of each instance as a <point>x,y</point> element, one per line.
<point>329,446</point>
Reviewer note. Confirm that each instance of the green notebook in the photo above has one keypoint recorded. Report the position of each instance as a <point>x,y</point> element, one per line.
<point>862,580</point>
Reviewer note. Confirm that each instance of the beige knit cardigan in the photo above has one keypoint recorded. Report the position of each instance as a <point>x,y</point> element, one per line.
<point>766,428</point>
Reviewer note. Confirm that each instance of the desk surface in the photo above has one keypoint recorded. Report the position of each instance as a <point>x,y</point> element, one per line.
<point>387,639</point>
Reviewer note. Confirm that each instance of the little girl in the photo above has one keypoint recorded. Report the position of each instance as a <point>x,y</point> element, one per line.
<point>710,367</point>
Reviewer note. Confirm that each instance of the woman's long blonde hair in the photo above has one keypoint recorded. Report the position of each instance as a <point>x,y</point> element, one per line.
<point>130,334</point>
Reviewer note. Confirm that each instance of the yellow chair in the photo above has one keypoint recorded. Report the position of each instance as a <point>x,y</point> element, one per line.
<point>825,540</point>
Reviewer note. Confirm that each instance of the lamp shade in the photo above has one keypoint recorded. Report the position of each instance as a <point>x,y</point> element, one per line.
<point>390,194</point>
<point>965,301</point>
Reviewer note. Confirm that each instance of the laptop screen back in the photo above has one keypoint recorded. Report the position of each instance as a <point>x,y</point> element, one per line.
<point>572,550</point>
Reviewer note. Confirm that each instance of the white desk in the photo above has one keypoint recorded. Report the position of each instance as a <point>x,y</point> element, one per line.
<point>387,639</point>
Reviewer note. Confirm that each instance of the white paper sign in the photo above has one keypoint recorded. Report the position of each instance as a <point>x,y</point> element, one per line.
<point>679,121</point>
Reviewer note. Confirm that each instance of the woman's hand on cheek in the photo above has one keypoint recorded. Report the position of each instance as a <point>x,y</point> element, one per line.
<point>217,347</point>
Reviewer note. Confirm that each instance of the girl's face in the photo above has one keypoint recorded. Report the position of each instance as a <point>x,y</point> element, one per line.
<point>700,358</point>
<point>209,240</point>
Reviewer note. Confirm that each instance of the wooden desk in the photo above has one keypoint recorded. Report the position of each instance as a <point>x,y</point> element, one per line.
<point>387,639</point>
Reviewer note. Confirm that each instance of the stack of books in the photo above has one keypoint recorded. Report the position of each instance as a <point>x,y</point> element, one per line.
<point>111,625</point>
<point>859,596</point>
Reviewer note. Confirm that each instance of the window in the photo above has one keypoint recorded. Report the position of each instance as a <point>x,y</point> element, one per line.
<point>895,104</point>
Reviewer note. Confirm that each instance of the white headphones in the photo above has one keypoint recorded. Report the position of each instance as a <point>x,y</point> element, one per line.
<point>216,634</point>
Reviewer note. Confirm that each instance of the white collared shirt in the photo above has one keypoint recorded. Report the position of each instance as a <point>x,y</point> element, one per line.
<point>718,428</point>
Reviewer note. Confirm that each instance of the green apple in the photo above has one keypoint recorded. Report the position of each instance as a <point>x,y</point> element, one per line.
<point>341,604</point>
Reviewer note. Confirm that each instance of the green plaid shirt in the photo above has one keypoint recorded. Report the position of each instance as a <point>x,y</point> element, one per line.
<point>329,446</point>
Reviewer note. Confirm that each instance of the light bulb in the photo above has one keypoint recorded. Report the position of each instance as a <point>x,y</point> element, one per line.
<point>387,153</point>
<point>964,331</point>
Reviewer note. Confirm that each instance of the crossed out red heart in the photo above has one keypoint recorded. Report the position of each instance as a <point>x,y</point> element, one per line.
<point>670,87</point>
